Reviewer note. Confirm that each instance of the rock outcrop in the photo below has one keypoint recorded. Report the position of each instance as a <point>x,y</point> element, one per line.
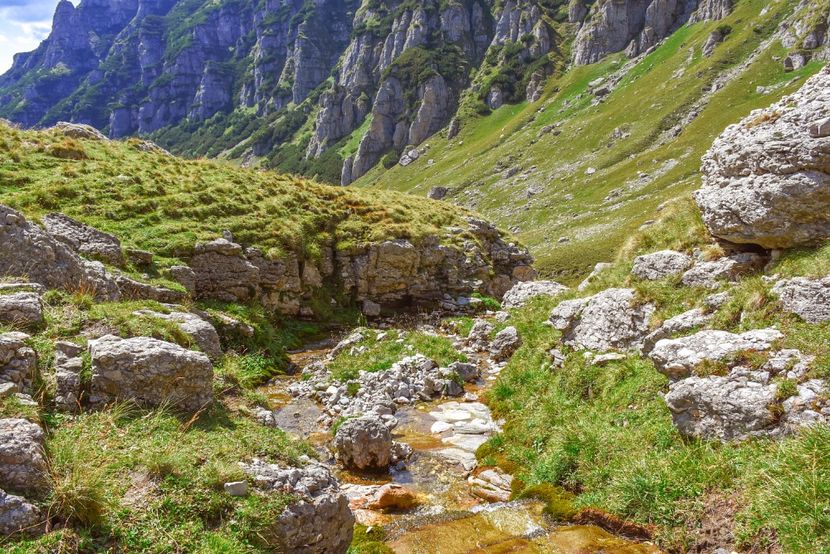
<point>149,372</point>
<point>318,519</point>
<point>68,367</point>
<point>18,516</point>
<point>22,456</point>
<point>807,298</point>
<point>18,361</point>
<point>712,274</point>
<point>521,293</point>
<point>201,331</point>
<point>610,320</point>
<point>21,310</point>
<point>83,239</point>
<point>660,265</point>
<point>766,180</point>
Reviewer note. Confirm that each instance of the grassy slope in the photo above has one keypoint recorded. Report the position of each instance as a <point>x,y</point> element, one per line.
<point>605,434</point>
<point>166,204</point>
<point>569,203</point>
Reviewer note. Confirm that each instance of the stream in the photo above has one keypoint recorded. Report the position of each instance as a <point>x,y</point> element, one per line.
<point>448,519</point>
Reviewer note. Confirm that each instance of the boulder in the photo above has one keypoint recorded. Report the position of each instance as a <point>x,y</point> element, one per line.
<point>317,520</point>
<point>610,320</point>
<point>149,372</point>
<point>68,367</point>
<point>660,265</point>
<point>200,330</point>
<point>371,309</point>
<point>21,310</point>
<point>131,289</point>
<point>392,497</point>
<point>724,408</point>
<point>437,193</point>
<point>686,321</point>
<point>18,516</point>
<point>521,293</point>
<point>807,298</point>
<point>711,274</point>
<point>83,239</point>
<point>22,462</point>
<point>479,336</point>
<point>678,358</point>
<point>221,271</point>
<point>766,180</point>
<point>364,443</point>
<point>25,249</point>
<point>18,361</point>
<point>505,344</point>
<point>79,131</point>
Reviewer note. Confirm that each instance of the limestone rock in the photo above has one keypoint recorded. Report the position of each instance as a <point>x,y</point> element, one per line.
<point>437,193</point>
<point>364,443</point>
<point>678,324</point>
<point>131,289</point>
<point>521,293</point>
<point>479,336</point>
<point>22,461</point>
<point>201,331</point>
<point>730,268</point>
<point>807,298</point>
<point>505,343</point>
<point>150,372</point>
<point>491,484</point>
<point>18,361</point>
<point>221,271</point>
<point>18,516</point>
<point>83,239</point>
<point>660,265</point>
<point>318,520</point>
<point>25,249</point>
<point>78,131</point>
<point>21,310</point>
<point>606,321</point>
<point>766,180</point>
<point>678,358</point>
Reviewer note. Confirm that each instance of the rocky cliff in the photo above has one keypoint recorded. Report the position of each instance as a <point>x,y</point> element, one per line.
<point>327,88</point>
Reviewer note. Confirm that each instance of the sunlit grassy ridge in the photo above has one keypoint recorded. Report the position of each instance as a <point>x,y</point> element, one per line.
<point>165,204</point>
<point>597,211</point>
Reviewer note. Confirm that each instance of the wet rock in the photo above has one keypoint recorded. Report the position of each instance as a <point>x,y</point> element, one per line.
<point>318,520</point>
<point>765,179</point>
<point>504,344</point>
<point>21,310</point>
<point>68,367</point>
<point>22,462</point>
<point>678,358</point>
<point>491,484</point>
<point>660,265</point>
<point>364,443</point>
<point>18,361</point>
<point>730,268</point>
<point>609,320</point>
<point>150,372</point>
<point>807,298</point>
<point>392,497</point>
<point>25,249</point>
<point>201,331</point>
<point>521,293</point>
<point>85,240</point>
<point>18,516</point>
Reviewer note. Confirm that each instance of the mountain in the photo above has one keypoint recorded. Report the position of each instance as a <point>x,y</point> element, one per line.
<point>327,88</point>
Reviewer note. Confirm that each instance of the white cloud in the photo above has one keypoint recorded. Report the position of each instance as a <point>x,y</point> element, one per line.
<point>23,25</point>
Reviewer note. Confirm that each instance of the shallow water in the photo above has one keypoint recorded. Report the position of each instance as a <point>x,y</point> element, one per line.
<point>449,519</point>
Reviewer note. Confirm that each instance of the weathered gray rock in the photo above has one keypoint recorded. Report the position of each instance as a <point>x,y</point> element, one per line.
<point>364,443</point>
<point>18,361</point>
<point>479,335</point>
<point>150,372</point>
<point>660,265</point>
<point>200,330</point>
<point>22,460</point>
<point>78,131</point>
<point>505,344</point>
<point>131,289</point>
<point>610,320</point>
<point>712,274</point>
<point>83,239</point>
<point>26,250</point>
<point>68,367</point>
<point>807,298</point>
<point>766,180</point>
<point>318,520</point>
<point>222,271</point>
<point>437,193</point>
<point>686,321</point>
<point>724,408</point>
<point>21,310</point>
<point>521,293</point>
<point>18,516</point>
<point>678,358</point>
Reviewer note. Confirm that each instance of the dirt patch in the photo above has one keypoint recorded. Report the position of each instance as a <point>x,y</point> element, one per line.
<point>716,528</point>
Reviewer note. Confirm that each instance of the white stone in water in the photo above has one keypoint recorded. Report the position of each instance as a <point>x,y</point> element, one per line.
<point>439,427</point>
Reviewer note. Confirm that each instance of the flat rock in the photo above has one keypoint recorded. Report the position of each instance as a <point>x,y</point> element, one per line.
<point>200,330</point>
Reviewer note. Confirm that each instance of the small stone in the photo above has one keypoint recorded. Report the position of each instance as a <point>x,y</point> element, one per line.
<point>237,488</point>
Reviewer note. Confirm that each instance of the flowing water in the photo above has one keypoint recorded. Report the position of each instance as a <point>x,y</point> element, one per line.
<point>449,519</point>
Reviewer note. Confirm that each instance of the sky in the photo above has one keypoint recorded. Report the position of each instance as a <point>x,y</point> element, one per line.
<point>23,24</point>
